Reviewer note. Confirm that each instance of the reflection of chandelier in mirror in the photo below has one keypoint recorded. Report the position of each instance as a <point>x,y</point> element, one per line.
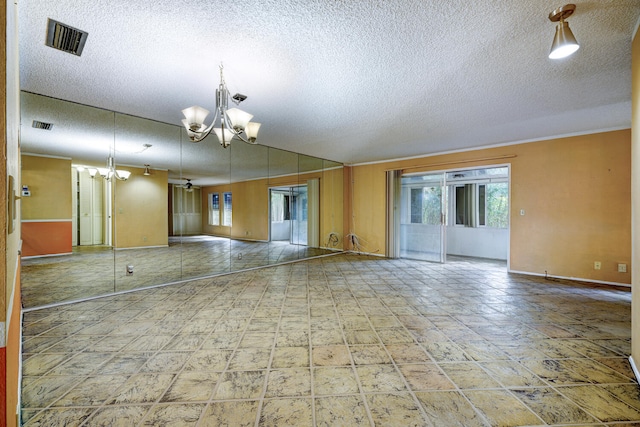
<point>109,172</point>
<point>233,122</point>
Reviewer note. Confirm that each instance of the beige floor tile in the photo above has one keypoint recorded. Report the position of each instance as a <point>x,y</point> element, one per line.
<point>600,403</point>
<point>294,412</point>
<point>118,416</point>
<point>182,415</point>
<point>167,361</point>
<point>289,382</point>
<point>555,371</point>
<point>333,355</point>
<point>334,411</point>
<point>238,413</point>
<point>208,360</point>
<point>40,392</point>
<point>369,355</point>
<point>449,408</point>
<point>446,352</point>
<point>501,408</point>
<point>241,385</point>
<point>143,388</point>
<point>334,380</point>
<point>398,409</point>
<point>93,391</point>
<point>68,417</point>
<point>552,407</point>
<point>292,339</point>
<point>290,357</point>
<point>425,376</point>
<point>469,375</point>
<point>380,378</point>
<point>355,337</point>
<point>191,387</point>
<point>250,358</point>
<point>513,374</point>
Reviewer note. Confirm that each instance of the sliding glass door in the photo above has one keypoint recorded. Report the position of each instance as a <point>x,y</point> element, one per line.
<point>423,213</point>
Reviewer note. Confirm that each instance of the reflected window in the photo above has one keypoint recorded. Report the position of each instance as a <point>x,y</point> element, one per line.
<point>280,210</point>
<point>214,209</point>
<point>226,209</point>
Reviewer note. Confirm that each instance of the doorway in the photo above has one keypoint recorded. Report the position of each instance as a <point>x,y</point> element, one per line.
<point>91,216</point>
<point>289,214</point>
<point>463,212</point>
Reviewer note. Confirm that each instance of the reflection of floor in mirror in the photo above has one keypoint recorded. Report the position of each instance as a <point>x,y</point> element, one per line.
<point>97,270</point>
<point>344,340</point>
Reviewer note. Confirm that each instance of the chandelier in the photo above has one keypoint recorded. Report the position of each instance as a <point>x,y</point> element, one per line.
<point>109,172</point>
<point>233,121</point>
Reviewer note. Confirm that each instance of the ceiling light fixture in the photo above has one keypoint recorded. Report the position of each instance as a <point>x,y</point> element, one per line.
<point>233,122</point>
<point>110,171</point>
<point>564,42</point>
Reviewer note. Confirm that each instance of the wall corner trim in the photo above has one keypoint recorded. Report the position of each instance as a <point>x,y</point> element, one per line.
<point>635,369</point>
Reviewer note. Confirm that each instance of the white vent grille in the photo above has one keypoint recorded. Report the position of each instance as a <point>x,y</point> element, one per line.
<point>65,38</point>
<point>42,125</point>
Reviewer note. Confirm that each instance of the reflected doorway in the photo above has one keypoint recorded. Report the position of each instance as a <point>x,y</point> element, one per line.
<point>91,209</point>
<point>289,214</point>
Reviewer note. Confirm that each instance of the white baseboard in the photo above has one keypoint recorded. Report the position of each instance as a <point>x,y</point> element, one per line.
<point>578,279</point>
<point>635,369</point>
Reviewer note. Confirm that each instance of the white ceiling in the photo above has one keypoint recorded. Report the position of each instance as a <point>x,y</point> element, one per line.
<point>351,81</point>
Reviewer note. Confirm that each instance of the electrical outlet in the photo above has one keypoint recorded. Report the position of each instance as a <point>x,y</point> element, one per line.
<point>597,265</point>
<point>622,268</point>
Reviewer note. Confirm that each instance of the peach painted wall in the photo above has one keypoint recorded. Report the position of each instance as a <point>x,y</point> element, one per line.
<point>49,180</point>
<point>249,204</point>
<point>250,201</point>
<point>635,197</point>
<point>46,214</point>
<point>576,193</point>
<point>332,207</point>
<point>140,209</point>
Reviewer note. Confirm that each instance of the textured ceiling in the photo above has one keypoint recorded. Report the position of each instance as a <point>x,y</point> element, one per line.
<point>352,81</point>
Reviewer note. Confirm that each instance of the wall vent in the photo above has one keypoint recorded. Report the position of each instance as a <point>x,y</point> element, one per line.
<point>65,38</point>
<point>42,125</point>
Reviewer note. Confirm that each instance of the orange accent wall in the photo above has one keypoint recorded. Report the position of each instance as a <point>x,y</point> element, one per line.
<point>46,238</point>
<point>12,357</point>
<point>576,193</point>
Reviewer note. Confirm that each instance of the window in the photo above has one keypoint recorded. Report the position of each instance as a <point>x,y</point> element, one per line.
<point>214,209</point>
<point>226,209</point>
<point>497,205</point>
<point>425,205</point>
<point>280,207</point>
<point>482,204</point>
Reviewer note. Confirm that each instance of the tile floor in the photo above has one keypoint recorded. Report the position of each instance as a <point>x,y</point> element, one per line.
<point>345,340</point>
<point>99,270</point>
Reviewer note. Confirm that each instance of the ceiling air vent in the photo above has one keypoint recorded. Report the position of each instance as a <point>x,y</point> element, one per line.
<point>42,125</point>
<point>65,38</point>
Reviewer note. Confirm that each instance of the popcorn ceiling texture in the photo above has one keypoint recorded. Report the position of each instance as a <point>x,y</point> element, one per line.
<point>352,81</point>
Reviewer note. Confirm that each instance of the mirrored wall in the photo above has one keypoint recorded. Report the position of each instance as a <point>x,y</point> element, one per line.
<point>112,202</point>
